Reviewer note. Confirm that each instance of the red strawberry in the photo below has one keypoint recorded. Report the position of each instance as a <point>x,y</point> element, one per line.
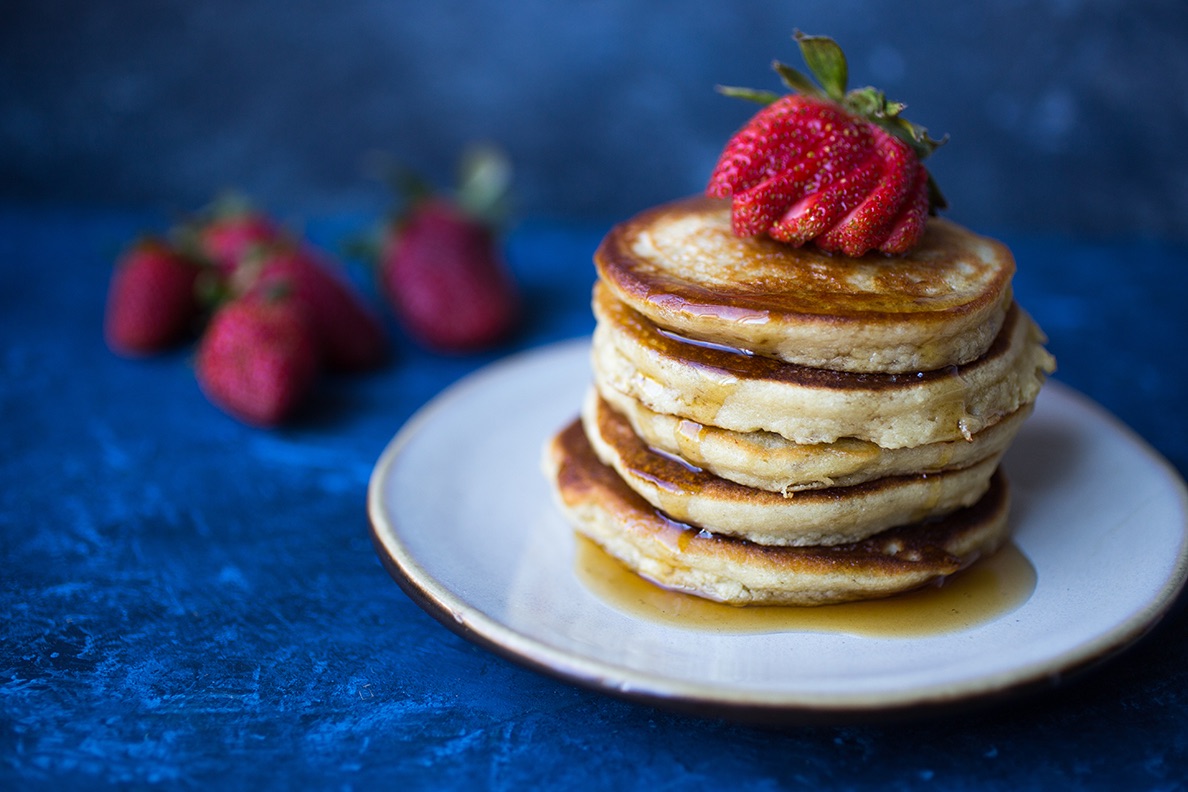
<point>352,337</point>
<point>151,301</point>
<point>258,358</point>
<point>444,276</point>
<point>841,170</point>
<point>227,231</point>
<point>442,269</point>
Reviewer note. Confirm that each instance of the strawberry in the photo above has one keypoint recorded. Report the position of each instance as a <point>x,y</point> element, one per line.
<point>444,277</point>
<point>351,336</point>
<point>839,169</point>
<point>258,358</point>
<point>441,268</point>
<point>151,301</point>
<point>227,231</point>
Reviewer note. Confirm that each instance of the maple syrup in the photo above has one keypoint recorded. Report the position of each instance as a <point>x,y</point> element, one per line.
<point>987,590</point>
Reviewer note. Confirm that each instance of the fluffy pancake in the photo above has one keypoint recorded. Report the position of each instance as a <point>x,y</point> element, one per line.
<point>602,507</point>
<point>747,393</point>
<point>766,460</point>
<point>812,517</point>
<point>681,266</point>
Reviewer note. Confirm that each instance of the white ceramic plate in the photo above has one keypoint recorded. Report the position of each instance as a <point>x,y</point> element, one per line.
<point>465,522</point>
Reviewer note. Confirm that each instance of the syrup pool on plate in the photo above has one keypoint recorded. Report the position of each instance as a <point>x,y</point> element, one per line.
<point>987,590</point>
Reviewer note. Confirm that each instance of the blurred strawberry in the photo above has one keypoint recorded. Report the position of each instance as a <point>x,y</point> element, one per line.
<point>151,301</point>
<point>259,357</point>
<point>350,335</point>
<point>227,231</point>
<point>441,267</point>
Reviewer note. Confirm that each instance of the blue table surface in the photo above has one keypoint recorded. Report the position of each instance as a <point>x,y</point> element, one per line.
<point>191,601</point>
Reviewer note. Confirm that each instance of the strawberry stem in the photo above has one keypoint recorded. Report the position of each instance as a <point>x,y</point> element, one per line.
<point>484,184</point>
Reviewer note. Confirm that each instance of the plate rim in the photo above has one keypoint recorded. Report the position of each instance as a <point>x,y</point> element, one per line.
<point>470,622</point>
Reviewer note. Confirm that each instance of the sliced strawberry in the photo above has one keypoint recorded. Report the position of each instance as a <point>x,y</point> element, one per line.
<point>779,137</point>
<point>842,146</point>
<point>839,191</point>
<point>756,209</point>
<point>909,225</point>
<point>868,224</point>
<point>823,165</point>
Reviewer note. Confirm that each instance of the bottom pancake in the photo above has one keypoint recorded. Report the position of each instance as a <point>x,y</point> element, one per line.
<point>738,572</point>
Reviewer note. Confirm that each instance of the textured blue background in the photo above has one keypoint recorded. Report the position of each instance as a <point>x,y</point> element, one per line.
<point>1064,115</point>
<point>188,601</point>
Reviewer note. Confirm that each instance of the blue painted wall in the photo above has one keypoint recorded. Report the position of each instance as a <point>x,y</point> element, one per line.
<point>1063,115</point>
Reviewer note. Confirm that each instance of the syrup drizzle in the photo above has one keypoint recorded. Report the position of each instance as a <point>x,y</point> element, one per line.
<point>987,590</point>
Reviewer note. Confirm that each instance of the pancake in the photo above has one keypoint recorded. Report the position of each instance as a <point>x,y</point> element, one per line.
<point>603,508</point>
<point>748,393</point>
<point>768,461</point>
<point>682,267</point>
<point>813,517</point>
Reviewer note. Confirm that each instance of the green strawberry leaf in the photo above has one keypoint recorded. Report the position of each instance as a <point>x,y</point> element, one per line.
<point>750,94</point>
<point>826,61</point>
<point>870,103</point>
<point>914,135</point>
<point>797,81</point>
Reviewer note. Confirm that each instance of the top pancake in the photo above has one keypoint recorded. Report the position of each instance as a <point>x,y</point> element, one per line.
<point>941,305</point>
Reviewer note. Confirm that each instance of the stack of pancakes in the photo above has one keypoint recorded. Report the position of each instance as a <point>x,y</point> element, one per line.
<point>774,425</point>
